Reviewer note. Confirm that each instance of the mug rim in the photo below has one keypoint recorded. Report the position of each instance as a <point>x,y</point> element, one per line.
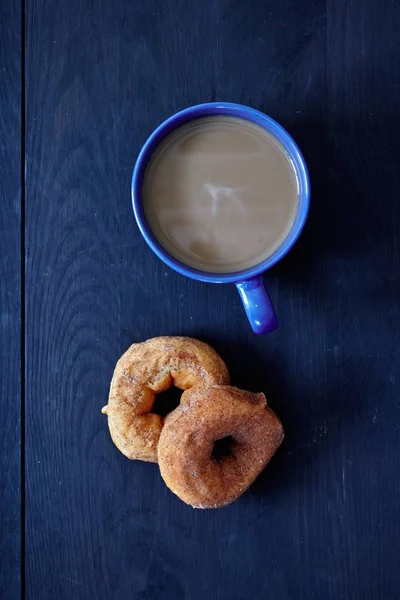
<point>228,109</point>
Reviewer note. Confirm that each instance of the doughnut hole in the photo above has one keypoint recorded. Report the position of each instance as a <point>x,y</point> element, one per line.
<point>222,448</point>
<point>166,394</point>
<point>167,401</point>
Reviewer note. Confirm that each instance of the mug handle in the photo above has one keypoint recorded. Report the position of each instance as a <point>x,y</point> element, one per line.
<point>258,305</point>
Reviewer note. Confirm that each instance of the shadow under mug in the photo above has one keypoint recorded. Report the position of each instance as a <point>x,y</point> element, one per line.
<point>250,284</point>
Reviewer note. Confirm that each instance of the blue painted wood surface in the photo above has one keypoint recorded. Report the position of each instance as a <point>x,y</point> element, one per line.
<point>322,521</point>
<point>10,300</point>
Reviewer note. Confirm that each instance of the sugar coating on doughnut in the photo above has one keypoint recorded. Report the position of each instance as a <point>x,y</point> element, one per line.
<point>185,450</point>
<point>149,368</point>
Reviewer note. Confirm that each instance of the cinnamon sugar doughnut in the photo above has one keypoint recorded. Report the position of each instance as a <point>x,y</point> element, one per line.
<point>186,456</point>
<point>147,369</point>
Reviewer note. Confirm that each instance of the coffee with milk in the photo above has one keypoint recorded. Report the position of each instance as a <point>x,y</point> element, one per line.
<point>220,194</point>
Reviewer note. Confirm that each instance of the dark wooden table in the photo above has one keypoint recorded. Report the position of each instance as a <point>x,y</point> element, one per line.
<point>78,286</point>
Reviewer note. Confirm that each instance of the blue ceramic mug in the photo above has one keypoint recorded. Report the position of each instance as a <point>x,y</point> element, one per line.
<point>249,283</point>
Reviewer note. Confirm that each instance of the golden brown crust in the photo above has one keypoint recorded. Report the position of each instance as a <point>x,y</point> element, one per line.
<point>146,369</point>
<point>186,444</point>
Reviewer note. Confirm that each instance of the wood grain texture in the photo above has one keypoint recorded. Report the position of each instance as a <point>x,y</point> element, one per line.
<point>321,522</point>
<point>10,296</point>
